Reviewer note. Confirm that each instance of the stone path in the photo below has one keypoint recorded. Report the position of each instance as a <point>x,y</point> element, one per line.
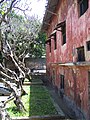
<point>59,101</point>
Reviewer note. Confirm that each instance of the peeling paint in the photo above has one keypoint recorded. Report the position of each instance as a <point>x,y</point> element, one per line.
<point>77,34</point>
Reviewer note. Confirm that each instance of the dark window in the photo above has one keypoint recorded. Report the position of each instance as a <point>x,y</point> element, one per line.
<point>53,79</point>
<point>62,81</point>
<point>83,6</point>
<point>88,45</point>
<point>55,41</point>
<point>62,26</point>
<point>63,30</point>
<point>89,78</point>
<point>81,55</point>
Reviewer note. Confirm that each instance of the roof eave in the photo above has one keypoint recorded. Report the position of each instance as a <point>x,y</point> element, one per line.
<point>50,11</point>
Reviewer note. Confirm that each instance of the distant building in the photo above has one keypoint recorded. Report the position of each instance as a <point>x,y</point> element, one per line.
<point>67,24</point>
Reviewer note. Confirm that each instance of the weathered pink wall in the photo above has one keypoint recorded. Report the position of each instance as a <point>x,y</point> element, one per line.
<point>77,33</point>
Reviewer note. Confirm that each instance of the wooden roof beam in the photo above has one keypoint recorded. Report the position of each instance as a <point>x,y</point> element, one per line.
<point>52,12</point>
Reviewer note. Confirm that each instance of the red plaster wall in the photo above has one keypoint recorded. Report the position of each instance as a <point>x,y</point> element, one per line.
<point>77,33</point>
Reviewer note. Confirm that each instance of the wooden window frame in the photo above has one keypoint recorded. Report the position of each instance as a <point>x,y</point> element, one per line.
<point>62,28</point>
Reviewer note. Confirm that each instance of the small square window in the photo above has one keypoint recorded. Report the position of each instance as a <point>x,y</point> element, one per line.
<point>88,45</point>
<point>61,81</point>
<point>55,41</point>
<point>53,77</point>
<point>83,6</point>
<point>81,54</point>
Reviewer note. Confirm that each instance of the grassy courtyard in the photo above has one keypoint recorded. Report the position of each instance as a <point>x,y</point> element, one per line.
<point>37,102</point>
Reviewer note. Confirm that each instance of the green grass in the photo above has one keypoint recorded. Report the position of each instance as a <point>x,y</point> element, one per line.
<point>37,102</point>
<point>13,111</point>
<point>41,103</point>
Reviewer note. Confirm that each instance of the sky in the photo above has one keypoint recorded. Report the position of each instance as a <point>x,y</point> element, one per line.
<point>37,7</point>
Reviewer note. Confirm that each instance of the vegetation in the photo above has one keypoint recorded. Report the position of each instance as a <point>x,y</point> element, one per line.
<point>37,102</point>
<point>19,37</point>
<point>40,102</point>
<point>12,109</point>
<point>26,39</point>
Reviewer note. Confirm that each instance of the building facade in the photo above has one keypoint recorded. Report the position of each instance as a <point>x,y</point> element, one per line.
<point>67,24</point>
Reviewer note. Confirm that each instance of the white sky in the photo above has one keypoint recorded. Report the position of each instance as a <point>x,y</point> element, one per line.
<point>37,6</point>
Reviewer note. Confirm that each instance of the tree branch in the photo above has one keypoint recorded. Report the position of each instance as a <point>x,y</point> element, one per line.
<point>21,9</point>
<point>8,10</point>
<point>1,1</point>
<point>7,76</point>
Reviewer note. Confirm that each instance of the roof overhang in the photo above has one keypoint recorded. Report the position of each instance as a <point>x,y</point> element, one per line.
<point>50,11</point>
<point>53,33</point>
<point>59,25</point>
<point>49,39</point>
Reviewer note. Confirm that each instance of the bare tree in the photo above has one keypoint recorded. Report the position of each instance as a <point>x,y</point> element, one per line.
<point>11,79</point>
<point>15,44</point>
